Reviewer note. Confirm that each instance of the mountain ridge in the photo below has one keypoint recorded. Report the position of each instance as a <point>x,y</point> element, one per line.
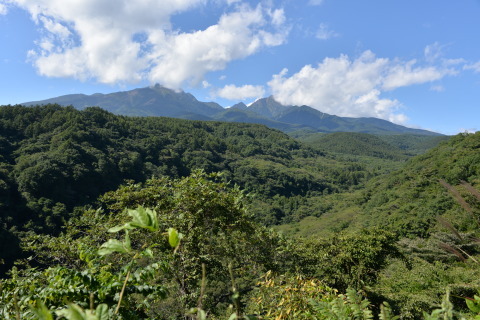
<point>160,101</point>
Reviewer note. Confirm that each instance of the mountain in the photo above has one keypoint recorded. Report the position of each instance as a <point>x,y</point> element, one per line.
<point>160,101</point>
<point>268,107</point>
<point>240,106</point>
<point>324,122</point>
<point>149,101</point>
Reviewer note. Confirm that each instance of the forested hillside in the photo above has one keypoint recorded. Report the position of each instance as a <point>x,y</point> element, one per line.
<point>408,201</point>
<point>114,217</point>
<point>355,144</point>
<point>392,146</point>
<point>54,159</point>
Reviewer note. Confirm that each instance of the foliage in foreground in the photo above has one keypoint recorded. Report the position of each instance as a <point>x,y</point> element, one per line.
<point>219,234</point>
<point>221,266</point>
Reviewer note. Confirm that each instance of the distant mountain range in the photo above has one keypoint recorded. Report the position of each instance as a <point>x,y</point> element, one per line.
<point>160,101</point>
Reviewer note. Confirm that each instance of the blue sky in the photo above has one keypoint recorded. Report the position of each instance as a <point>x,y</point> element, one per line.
<point>416,63</point>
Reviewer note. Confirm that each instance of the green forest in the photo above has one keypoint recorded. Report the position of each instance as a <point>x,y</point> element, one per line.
<point>113,217</point>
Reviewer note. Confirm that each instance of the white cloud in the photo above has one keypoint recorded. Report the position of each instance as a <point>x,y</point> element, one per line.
<point>233,92</point>
<point>469,130</point>
<point>325,33</point>
<point>189,56</point>
<point>3,9</point>
<point>405,74</point>
<point>433,52</point>
<point>121,41</point>
<point>354,88</point>
<point>474,66</point>
<point>55,28</point>
<point>277,16</point>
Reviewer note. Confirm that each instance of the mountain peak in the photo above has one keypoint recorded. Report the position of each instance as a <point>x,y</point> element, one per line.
<point>268,107</point>
<point>240,105</point>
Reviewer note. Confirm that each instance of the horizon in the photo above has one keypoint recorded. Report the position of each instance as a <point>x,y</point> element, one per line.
<point>414,64</point>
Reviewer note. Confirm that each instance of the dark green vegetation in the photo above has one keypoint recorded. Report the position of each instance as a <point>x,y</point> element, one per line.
<point>160,101</point>
<point>93,204</point>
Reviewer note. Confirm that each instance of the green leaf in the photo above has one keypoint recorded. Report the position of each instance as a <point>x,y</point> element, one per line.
<point>174,237</point>
<point>144,218</point>
<point>127,243</point>
<point>474,306</point>
<point>73,312</point>
<point>120,228</point>
<point>148,253</point>
<point>102,312</point>
<point>201,315</point>
<point>41,311</point>
<point>113,245</point>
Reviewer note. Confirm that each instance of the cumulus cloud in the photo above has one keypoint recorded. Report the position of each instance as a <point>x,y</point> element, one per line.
<point>189,56</point>
<point>121,41</point>
<point>325,33</point>
<point>352,87</point>
<point>405,74</point>
<point>233,92</point>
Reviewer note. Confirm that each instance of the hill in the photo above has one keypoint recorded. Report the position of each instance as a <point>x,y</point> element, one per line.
<point>54,158</point>
<point>409,201</point>
<point>394,147</point>
<point>160,101</point>
<point>359,144</point>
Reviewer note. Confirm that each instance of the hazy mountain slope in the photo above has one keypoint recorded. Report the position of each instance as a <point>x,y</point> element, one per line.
<point>248,116</point>
<point>312,118</point>
<point>324,122</point>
